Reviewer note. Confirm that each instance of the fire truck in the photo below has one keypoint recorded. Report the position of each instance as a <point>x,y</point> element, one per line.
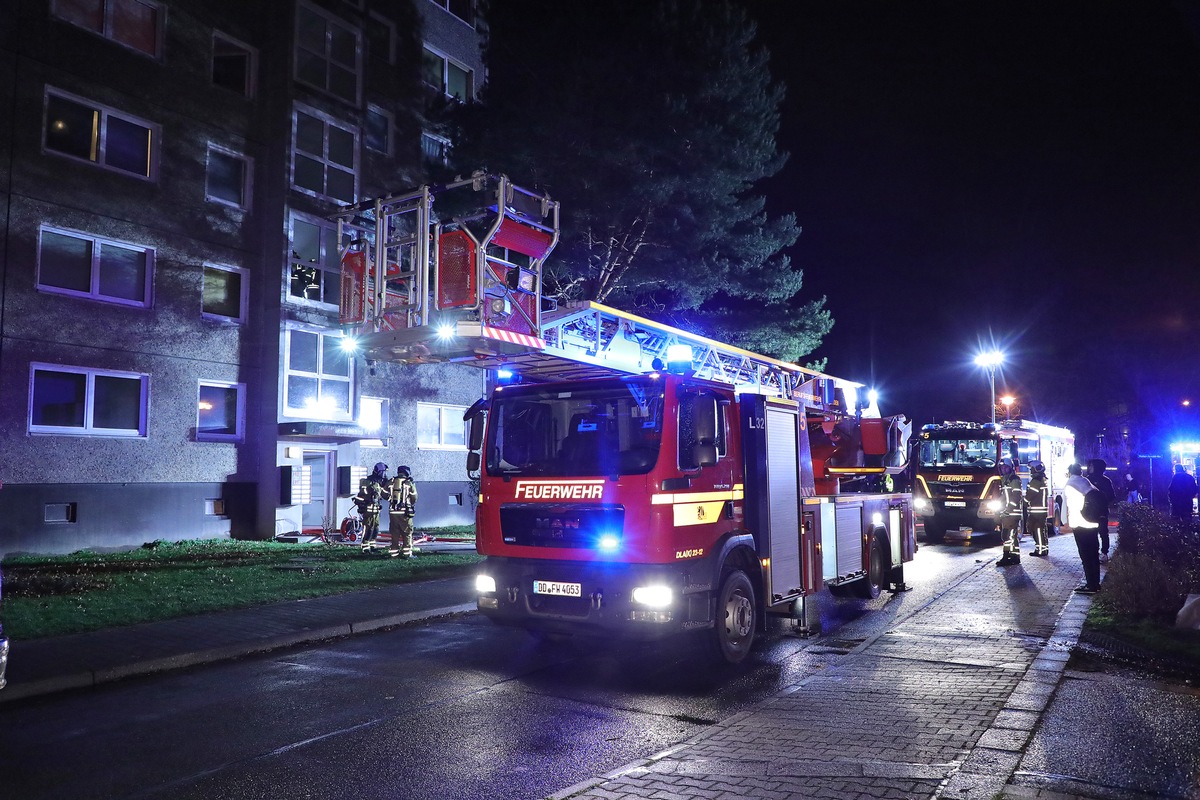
<point>635,479</point>
<point>956,471</point>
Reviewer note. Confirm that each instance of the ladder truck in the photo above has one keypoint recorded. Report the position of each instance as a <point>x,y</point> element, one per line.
<point>635,480</point>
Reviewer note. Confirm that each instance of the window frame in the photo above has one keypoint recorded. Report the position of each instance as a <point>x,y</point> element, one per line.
<point>384,420</point>
<point>441,444</point>
<point>251,88</point>
<point>239,411</point>
<point>247,176</point>
<point>93,293</point>
<point>445,6</point>
<point>243,299</point>
<point>327,122</point>
<point>288,372</point>
<point>444,146</point>
<point>89,428</point>
<point>447,60</point>
<point>106,26</point>
<point>299,49</point>
<point>329,262</point>
<point>99,145</point>
<point>390,136</point>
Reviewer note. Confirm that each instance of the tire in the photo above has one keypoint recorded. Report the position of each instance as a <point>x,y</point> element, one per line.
<point>736,618</point>
<point>934,533</point>
<point>877,568</point>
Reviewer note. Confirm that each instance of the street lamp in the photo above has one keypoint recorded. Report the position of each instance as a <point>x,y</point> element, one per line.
<point>1007,401</point>
<point>990,361</point>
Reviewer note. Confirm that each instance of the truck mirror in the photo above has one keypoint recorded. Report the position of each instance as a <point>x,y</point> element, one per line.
<point>704,455</point>
<point>475,434</point>
<point>473,459</point>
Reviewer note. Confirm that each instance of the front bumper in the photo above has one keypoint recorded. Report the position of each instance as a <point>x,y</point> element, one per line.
<point>604,605</point>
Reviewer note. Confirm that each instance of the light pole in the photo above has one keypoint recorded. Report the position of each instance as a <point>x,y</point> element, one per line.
<point>990,361</point>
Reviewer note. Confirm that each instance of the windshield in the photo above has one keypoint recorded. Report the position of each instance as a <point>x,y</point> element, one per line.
<point>964,453</point>
<point>605,428</point>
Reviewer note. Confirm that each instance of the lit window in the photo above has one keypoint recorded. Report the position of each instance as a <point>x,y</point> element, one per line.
<point>441,427</point>
<point>373,418</point>
<point>86,266</point>
<point>134,23</point>
<point>378,130</point>
<point>451,79</point>
<point>324,156</point>
<point>228,178</point>
<point>83,130</point>
<point>88,401</point>
<point>221,413</point>
<point>234,65</point>
<point>435,148</point>
<point>327,53</point>
<point>319,375</point>
<point>314,271</point>
<point>224,293</point>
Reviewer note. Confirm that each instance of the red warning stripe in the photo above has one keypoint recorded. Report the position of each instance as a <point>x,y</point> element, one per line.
<point>513,338</point>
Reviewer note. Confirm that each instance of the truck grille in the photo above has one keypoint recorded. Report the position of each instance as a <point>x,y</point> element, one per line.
<point>552,525</point>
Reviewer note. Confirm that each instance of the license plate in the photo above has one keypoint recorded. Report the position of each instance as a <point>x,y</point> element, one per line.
<point>956,504</point>
<point>559,589</point>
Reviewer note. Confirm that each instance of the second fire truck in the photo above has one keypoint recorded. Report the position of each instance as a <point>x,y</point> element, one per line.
<point>634,479</point>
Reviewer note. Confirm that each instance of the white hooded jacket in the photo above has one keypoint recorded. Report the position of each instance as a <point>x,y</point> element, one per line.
<point>1077,487</point>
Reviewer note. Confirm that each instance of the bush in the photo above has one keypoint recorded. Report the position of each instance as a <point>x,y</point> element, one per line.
<point>1157,565</point>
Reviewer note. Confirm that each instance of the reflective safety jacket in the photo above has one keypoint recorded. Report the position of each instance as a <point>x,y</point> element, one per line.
<point>1037,496</point>
<point>1010,491</point>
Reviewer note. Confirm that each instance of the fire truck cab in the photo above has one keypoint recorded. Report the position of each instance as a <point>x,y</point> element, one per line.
<point>956,469</point>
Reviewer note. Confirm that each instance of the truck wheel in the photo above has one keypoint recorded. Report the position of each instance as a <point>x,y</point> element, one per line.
<point>733,632</point>
<point>934,533</point>
<point>872,583</point>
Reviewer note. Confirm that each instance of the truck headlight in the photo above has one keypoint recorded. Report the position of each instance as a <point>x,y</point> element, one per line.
<point>485,584</point>
<point>656,596</point>
<point>995,505</point>
<point>922,505</point>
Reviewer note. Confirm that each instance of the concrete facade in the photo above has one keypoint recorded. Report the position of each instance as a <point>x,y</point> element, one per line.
<point>168,315</point>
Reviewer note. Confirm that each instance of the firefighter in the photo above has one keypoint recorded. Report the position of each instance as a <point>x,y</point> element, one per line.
<point>372,491</point>
<point>1037,504</point>
<point>1012,514</point>
<point>400,518</point>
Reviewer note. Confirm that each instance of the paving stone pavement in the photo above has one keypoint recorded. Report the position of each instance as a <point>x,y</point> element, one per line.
<point>941,705</point>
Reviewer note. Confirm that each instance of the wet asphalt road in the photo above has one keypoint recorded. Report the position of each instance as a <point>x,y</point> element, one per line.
<point>457,708</point>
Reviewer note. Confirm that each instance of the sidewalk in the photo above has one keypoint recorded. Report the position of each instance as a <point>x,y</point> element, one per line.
<point>964,697</point>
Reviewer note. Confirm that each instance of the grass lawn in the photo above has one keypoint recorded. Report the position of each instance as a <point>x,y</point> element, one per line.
<point>85,591</point>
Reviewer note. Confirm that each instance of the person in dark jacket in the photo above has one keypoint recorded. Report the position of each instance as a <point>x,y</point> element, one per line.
<point>1037,506</point>
<point>1012,516</point>
<point>1181,492</point>
<point>1097,478</point>
<point>373,490</point>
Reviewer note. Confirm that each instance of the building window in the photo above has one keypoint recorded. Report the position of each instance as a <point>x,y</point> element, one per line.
<point>225,293</point>
<point>373,415</point>
<point>88,401</point>
<point>449,78</point>
<point>83,130</point>
<point>234,65</point>
<point>228,177</point>
<point>314,271</point>
<point>327,53</point>
<point>381,39</point>
<point>324,157</point>
<point>379,130</point>
<point>435,149</point>
<point>318,375</point>
<point>463,9</point>
<point>441,427</point>
<point>87,266</point>
<point>221,412</point>
<point>137,24</point>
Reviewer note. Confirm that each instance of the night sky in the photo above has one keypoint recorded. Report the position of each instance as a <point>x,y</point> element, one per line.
<point>1019,174</point>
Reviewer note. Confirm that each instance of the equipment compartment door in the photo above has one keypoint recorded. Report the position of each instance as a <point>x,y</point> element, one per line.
<point>784,505</point>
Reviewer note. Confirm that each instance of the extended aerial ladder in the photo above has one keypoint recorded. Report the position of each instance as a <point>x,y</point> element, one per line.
<point>454,273</point>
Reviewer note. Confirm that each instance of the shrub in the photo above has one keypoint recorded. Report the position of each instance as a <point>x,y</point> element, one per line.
<point>1157,565</point>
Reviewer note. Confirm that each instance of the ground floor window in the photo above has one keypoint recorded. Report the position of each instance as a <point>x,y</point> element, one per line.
<point>441,426</point>
<point>82,400</point>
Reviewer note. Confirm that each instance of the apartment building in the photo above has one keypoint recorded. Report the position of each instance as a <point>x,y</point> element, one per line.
<point>170,364</point>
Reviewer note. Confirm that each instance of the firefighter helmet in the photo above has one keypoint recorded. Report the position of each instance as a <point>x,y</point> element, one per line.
<point>403,471</point>
<point>1037,468</point>
<point>380,468</point>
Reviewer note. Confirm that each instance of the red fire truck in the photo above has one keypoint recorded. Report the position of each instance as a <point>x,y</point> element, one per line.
<point>635,479</point>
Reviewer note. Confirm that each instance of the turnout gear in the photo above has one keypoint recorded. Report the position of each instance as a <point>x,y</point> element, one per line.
<point>400,519</point>
<point>1012,515</point>
<point>373,490</point>
<point>1037,505</point>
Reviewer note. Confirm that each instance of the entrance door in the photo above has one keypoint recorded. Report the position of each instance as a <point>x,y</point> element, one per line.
<point>321,487</point>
